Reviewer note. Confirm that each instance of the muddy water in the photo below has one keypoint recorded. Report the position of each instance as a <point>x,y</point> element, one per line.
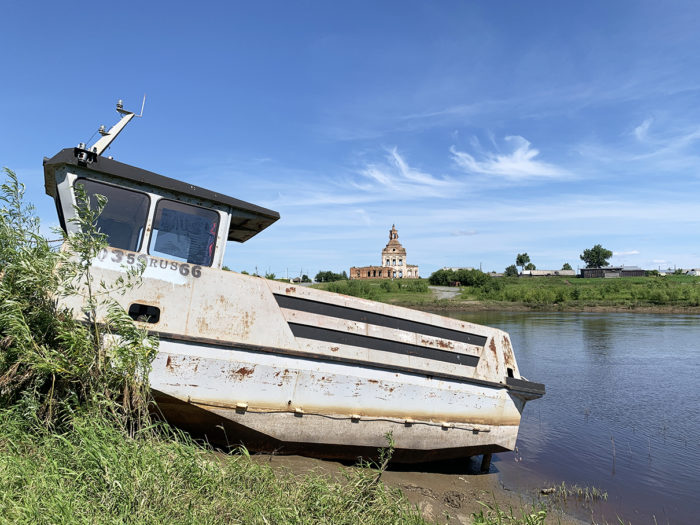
<point>622,409</point>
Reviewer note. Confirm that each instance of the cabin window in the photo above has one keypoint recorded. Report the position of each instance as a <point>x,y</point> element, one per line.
<point>184,232</point>
<point>123,218</point>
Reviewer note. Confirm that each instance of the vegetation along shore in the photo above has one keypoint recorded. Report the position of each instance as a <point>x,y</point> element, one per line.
<point>480,291</point>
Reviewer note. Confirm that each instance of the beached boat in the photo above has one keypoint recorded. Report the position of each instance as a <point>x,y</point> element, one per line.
<point>278,366</point>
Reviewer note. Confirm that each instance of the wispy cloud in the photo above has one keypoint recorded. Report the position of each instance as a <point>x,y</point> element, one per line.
<point>629,252</point>
<point>519,164</point>
<point>668,149</point>
<point>403,180</point>
<point>464,233</point>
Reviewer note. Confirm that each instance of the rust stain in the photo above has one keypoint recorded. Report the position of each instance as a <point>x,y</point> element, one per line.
<point>202,325</point>
<point>169,364</point>
<point>508,353</point>
<point>492,347</point>
<point>372,381</point>
<point>241,373</point>
<point>334,348</point>
<point>291,289</point>
<point>445,344</point>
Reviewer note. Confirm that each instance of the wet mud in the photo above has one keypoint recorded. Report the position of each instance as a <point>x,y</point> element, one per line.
<point>444,492</point>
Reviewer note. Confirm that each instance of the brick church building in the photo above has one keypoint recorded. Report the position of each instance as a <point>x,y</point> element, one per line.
<point>393,264</point>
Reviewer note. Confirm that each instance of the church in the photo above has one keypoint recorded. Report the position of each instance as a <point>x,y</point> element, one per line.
<point>393,265</point>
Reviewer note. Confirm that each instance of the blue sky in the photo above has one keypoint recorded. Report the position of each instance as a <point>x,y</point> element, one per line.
<point>481,129</point>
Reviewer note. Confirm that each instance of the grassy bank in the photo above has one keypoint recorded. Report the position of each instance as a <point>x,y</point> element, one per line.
<point>95,473</point>
<point>576,293</point>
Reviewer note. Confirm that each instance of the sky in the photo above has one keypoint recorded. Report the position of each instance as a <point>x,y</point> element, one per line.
<point>480,129</point>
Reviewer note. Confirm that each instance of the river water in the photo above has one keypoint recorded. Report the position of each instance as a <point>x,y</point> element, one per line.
<point>621,412</point>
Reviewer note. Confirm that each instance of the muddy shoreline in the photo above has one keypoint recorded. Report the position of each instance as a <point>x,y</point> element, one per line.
<point>452,496</point>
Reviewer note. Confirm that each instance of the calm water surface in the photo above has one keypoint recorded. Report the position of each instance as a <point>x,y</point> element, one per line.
<point>622,409</point>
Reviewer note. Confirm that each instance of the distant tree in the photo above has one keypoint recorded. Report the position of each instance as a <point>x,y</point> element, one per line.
<point>596,257</point>
<point>244,272</point>
<point>511,271</point>
<point>530,266</point>
<point>270,275</point>
<point>305,279</point>
<point>474,278</point>
<point>441,277</point>
<point>328,277</point>
<point>521,260</point>
<point>566,266</point>
<point>224,267</point>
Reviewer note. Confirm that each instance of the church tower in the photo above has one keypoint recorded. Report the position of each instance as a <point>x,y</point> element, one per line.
<point>394,256</point>
<point>393,264</point>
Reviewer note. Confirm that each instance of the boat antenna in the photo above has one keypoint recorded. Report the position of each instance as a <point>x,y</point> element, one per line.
<point>104,142</point>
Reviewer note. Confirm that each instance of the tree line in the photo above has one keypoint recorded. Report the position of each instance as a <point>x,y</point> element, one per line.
<point>596,257</point>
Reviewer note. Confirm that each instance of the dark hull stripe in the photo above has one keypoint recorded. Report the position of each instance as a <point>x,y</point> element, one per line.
<point>362,316</point>
<point>385,345</point>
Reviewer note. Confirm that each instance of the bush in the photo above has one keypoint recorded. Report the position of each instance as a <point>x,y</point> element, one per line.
<point>52,365</point>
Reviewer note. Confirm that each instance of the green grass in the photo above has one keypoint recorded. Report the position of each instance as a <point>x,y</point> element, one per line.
<point>413,291</point>
<point>96,473</point>
<point>493,514</point>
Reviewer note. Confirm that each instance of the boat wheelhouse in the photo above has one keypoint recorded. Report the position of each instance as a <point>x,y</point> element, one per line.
<point>276,366</point>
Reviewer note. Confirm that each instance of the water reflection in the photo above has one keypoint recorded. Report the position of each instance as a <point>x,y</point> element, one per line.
<point>622,409</point>
<point>598,334</point>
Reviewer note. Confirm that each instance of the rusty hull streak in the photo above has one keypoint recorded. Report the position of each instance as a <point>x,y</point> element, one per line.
<point>241,373</point>
<point>291,289</point>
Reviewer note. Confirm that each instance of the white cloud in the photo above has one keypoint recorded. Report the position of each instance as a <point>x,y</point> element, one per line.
<point>464,233</point>
<point>641,131</point>
<point>403,180</point>
<point>630,252</point>
<point>519,164</point>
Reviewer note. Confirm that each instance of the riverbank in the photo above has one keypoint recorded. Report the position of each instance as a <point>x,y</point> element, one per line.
<point>669,294</point>
<point>95,469</point>
<point>463,305</point>
<point>443,495</point>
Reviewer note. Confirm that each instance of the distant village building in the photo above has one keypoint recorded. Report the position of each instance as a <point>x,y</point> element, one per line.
<point>611,272</point>
<point>393,266</point>
<point>547,273</point>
